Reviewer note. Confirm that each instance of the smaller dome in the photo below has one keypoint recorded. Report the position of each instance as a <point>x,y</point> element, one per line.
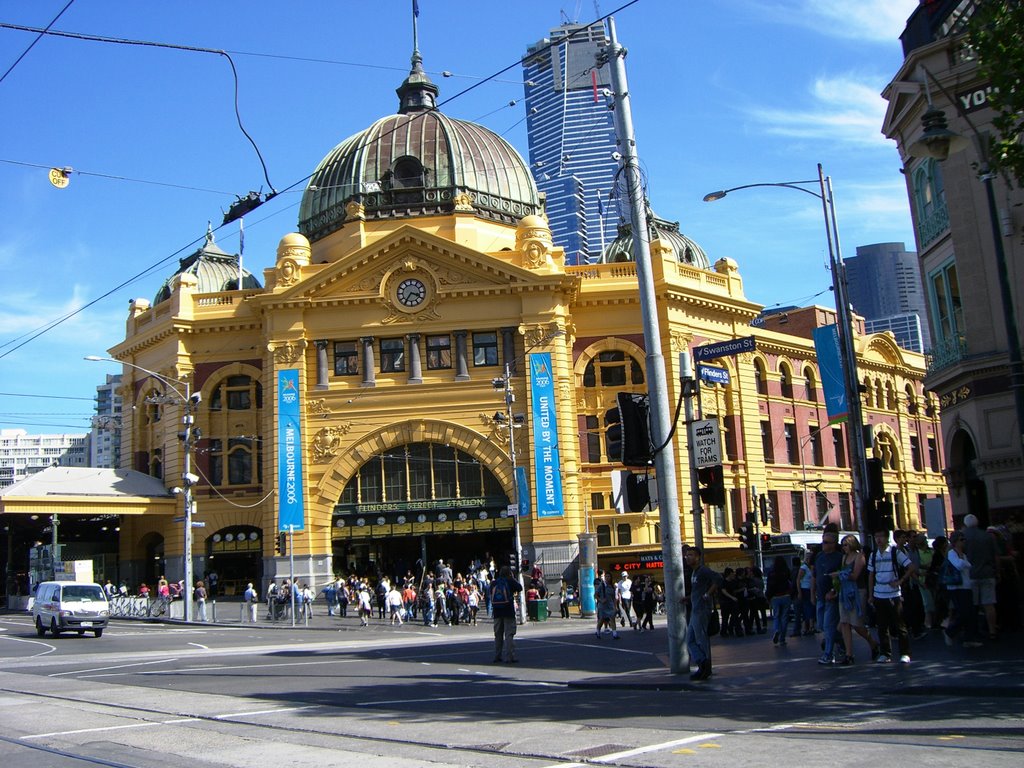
<point>213,269</point>
<point>293,240</point>
<point>533,221</point>
<point>687,251</point>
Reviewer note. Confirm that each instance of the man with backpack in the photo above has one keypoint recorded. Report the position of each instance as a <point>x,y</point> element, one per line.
<point>504,590</point>
<point>888,570</point>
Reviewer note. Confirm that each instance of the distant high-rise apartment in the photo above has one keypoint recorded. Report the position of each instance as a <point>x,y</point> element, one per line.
<point>571,134</point>
<point>885,285</point>
<point>22,454</point>
<point>105,447</point>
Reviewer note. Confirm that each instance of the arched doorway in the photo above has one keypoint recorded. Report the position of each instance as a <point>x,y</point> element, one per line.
<point>417,503</point>
<point>235,555</point>
<point>964,476</point>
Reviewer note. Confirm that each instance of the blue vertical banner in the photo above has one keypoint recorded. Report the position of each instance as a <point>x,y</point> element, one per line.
<point>547,467</point>
<point>826,347</point>
<point>522,493</point>
<point>289,453</point>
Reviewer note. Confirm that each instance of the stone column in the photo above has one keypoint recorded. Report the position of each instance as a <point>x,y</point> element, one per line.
<point>369,366</point>
<point>415,367</point>
<point>461,362</point>
<point>322,371</point>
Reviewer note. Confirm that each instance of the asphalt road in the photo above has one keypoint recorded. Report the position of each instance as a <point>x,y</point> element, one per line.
<point>148,694</point>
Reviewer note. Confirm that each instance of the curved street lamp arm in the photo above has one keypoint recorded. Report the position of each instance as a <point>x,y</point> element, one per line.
<point>712,196</point>
<point>154,374</point>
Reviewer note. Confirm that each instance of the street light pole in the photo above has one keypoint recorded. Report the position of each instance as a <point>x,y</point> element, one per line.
<point>657,383</point>
<point>189,402</point>
<point>516,532</point>
<point>844,327</point>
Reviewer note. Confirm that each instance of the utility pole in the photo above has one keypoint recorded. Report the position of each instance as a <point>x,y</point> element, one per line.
<point>657,385</point>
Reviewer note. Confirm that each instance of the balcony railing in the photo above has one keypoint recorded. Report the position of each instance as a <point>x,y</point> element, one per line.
<point>946,353</point>
<point>933,225</point>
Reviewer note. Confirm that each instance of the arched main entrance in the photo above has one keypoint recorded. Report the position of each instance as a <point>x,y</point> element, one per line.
<point>962,455</point>
<point>416,503</point>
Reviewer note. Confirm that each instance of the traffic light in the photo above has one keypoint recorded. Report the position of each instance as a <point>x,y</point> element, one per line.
<point>746,531</point>
<point>637,493</point>
<point>766,510</point>
<point>627,435</point>
<point>281,545</point>
<point>766,543</point>
<point>635,414</point>
<point>885,516</point>
<point>613,434</point>
<point>876,486</point>
<point>513,561</point>
<point>712,485</point>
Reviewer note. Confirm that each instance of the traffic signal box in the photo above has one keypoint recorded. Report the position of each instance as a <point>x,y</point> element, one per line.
<point>712,485</point>
<point>748,538</point>
<point>627,434</point>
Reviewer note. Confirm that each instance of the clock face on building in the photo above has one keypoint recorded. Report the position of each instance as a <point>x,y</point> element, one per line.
<point>411,292</point>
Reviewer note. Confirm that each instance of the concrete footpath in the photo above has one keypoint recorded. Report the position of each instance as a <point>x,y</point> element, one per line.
<point>750,663</point>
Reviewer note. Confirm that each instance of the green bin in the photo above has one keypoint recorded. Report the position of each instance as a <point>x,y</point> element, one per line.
<point>537,610</point>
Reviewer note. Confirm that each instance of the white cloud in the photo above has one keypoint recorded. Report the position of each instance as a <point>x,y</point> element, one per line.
<point>842,109</point>
<point>876,21</point>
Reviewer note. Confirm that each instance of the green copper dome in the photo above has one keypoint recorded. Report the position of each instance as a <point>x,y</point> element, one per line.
<point>687,251</point>
<point>418,162</point>
<point>214,269</point>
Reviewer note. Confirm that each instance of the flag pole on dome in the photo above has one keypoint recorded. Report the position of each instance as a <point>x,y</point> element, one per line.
<point>241,249</point>
<point>415,32</point>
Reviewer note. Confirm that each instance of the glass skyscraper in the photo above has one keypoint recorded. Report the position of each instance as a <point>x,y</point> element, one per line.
<point>571,134</point>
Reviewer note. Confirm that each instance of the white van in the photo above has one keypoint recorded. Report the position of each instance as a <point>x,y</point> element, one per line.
<point>70,606</point>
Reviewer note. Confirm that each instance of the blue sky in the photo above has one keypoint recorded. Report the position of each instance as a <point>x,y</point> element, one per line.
<point>723,94</point>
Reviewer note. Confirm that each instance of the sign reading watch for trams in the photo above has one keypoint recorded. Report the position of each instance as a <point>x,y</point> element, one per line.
<point>707,443</point>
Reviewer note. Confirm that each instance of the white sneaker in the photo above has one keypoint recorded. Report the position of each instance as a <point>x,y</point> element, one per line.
<point>904,659</point>
<point>615,635</point>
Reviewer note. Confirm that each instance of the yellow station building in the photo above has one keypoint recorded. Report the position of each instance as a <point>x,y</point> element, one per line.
<point>420,288</point>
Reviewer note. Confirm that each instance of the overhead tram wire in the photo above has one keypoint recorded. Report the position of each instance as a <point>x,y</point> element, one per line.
<point>32,45</point>
<point>170,46</point>
<point>119,178</point>
<point>493,77</point>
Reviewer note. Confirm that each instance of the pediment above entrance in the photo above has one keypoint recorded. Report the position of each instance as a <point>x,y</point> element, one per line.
<point>408,272</point>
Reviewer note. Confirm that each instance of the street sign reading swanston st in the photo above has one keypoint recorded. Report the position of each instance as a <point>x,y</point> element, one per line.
<point>724,348</point>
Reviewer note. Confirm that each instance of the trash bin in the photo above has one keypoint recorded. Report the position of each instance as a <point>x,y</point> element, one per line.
<point>537,610</point>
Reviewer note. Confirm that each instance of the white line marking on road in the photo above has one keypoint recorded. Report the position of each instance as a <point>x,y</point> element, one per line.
<point>261,712</point>
<point>50,648</point>
<point>90,730</point>
<point>654,748</point>
<point>85,672</point>
<point>197,645</point>
<point>466,698</point>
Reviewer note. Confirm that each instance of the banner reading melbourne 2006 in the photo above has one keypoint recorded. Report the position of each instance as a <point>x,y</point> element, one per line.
<point>289,453</point>
<point>548,473</point>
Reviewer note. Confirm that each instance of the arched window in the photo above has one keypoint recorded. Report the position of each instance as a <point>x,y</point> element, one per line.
<point>930,200</point>
<point>911,400</point>
<point>786,381</point>
<point>408,173</point>
<point>607,372</point>
<point>809,385</point>
<point>234,451</point>
<point>869,393</point>
<point>761,377</point>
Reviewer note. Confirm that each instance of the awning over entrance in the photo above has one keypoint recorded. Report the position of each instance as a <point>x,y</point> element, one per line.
<point>88,491</point>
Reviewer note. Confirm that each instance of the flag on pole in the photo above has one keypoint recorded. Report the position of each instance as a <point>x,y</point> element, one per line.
<point>416,8</point>
<point>593,82</point>
<point>600,204</point>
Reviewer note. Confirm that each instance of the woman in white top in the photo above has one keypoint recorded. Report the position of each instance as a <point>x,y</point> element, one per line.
<point>963,616</point>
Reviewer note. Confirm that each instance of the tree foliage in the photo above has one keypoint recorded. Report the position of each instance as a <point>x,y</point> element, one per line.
<point>996,36</point>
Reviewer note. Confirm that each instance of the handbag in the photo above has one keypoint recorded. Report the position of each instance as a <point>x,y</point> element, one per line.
<point>714,623</point>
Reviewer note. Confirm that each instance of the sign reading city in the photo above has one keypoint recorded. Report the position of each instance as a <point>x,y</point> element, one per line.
<point>711,374</point>
<point>707,443</point>
<point>724,348</point>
